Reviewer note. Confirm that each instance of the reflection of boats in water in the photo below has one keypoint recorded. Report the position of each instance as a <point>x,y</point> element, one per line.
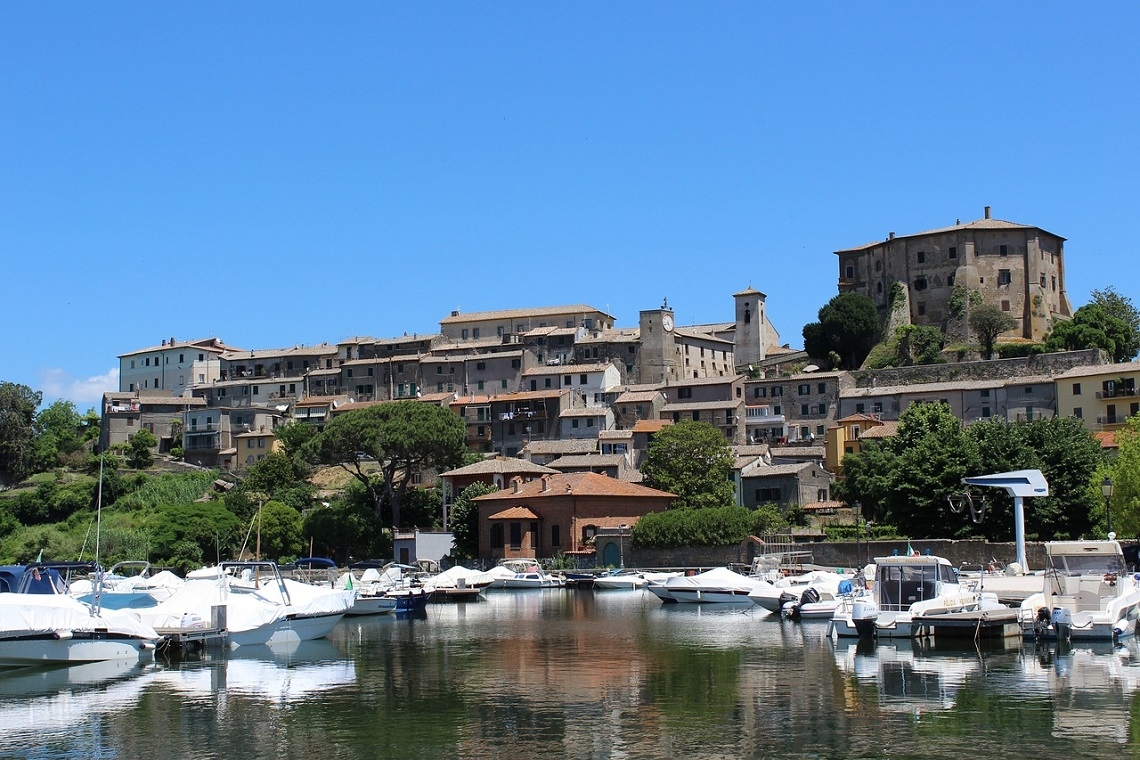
<point>279,673</point>
<point>1091,686</point>
<point>39,703</point>
<point>907,674</point>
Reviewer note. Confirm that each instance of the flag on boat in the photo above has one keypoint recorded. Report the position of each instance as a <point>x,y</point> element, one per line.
<point>348,583</point>
<point>909,551</point>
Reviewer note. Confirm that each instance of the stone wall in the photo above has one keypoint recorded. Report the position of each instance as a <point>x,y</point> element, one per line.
<point>997,369</point>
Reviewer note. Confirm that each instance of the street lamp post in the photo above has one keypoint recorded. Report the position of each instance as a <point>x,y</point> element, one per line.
<point>858,508</point>
<point>621,544</point>
<point>1106,488</point>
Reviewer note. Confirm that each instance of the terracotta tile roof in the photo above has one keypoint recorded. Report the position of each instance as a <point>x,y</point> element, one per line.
<point>541,311</point>
<point>514,513</point>
<point>620,335</point>
<point>568,369</point>
<point>414,338</point>
<point>635,397</point>
<point>588,411</point>
<point>500,466</point>
<point>237,354</point>
<point>888,429</point>
<point>1106,438</point>
<point>980,224</point>
<point>575,484</point>
<point>686,332</point>
<point>721,380</point>
<point>859,417</point>
<point>798,452</point>
<point>562,446</point>
<point>614,435</point>
<point>749,291</point>
<point>775,470</point>
<point>528,396</point>
<point>751,449</point>
<point>213,345</point>
<point>1107,370</point>
<point>815,506</point>
<point>650,426</point>
<point>588,460</point>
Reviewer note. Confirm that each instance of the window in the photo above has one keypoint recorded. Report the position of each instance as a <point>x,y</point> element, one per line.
<point>803,410</point>
<point>480,366</point>
<point>497,536</point>
<point>1005,304</point>
<point>822,409</point>
<point>1078,413</point>
<point>350,371</point>
<point>777,390</point>
<point>463,334</point>
<point>819,431</point>
<point>684,393</point>
<point>759,392</point>
<point>777,410</point>
<point>1004,277</point>
<point>479,385</point>
<point>696,415</point>
<point>516,535</point>
<point>503,383</point>
<point>474,332</point>
<point>922,257</point>
<point>439,387</point>
<point>556,535</point>
<point>805,389</point>
<point>1003,250</point>
<point>878,266</point>
<point>922,308</point>
<point>860,408</point>
<point>1076,389</point>
<point>438,371</point>
<point>920,283</point>
<point>547,381</point>
<point>985,411</point>
<point>877,407</point>
<point>574,423</point>
<point>1054,284</point>
<point>1042,280</point>
<point>822,388</point>
<point>515,364</point>
<point>950,281</point>
<point>849,272</point>
<point>581,379</point>
<point>953,252</point>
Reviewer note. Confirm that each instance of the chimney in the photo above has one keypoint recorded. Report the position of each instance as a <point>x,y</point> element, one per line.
<point>545,483</point>
<point>891,236</point>
<point>987,212</point>
<point>516,482</point>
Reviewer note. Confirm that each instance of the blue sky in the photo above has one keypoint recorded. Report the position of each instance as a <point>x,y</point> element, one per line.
<point>282,173</point>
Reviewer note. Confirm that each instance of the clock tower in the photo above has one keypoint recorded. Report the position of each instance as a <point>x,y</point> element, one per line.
<point>659,359</point>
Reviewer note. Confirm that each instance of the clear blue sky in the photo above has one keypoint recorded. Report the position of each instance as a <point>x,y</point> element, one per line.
<point>282,173</point>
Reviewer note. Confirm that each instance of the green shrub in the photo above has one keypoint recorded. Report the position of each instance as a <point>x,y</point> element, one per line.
<point>1018,350</point>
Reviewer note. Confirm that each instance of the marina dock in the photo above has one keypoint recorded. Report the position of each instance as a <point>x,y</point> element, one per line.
<point>978,624</point>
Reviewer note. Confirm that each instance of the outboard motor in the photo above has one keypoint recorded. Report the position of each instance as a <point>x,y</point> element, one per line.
<point>786,598</point>
<point>1062,623</point>
<point>792,610</point>
<point>864,613</point>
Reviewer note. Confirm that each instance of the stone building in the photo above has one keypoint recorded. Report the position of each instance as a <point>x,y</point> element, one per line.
<point>1015,266</point>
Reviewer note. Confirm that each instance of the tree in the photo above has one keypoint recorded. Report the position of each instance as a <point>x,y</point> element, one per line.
<point>463,520</point>
<point>1125,474</point>
<point>848,326</point>
<point>988,321</point>
<point>140,454</point>
<point>209,526</point>
<point>345,530</point>
<point>18,405</point>
<point>693,461</point>
<point>1092,326</point>
<point>384,446</point>
<point>57,433</point>
<point>1116,305</point>
<point>279,531</point>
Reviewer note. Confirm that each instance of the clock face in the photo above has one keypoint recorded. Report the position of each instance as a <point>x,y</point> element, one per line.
<point>667,322</point>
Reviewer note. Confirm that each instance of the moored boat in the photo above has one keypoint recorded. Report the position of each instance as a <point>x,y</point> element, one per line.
<point>1087,594</point>
<point>717,586</point>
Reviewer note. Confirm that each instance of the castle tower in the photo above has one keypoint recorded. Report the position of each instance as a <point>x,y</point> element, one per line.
<point>751,336</point>
<point>658,359</point>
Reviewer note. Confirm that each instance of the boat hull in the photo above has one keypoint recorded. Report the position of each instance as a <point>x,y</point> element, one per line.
<point>710,596</point>
<point>46,649</point>
<point>288,630</point>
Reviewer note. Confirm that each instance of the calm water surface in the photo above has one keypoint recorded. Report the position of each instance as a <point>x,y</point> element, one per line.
<point>580,674</point>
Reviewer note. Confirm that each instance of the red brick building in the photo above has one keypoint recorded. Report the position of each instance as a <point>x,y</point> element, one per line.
<point>560,514</point>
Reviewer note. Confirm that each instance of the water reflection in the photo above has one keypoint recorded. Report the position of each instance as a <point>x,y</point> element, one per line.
<point>549,673</point>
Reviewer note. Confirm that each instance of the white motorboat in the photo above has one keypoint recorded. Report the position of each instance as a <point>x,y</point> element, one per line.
<point>717,586</point>
<point>458,583</point>
<point>1087,594</point>
<point>41,624</point>
<point>129,584</point>
<point>776,595</point>
<point>906,588</point>
<point>630,579</point>
<point>261,606</point>
<point>523,573</point>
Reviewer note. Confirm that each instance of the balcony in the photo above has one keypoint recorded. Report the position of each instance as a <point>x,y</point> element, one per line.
<point>212,427</point>
<point>1117,393</point>
<point>523,414</point>
<point>474,436</point>
<point>1111,419</point>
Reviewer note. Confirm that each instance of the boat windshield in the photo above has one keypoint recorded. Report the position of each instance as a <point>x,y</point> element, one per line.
<point>900,586</point>
<point>1086,564</point>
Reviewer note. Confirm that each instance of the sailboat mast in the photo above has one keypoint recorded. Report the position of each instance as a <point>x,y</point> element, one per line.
<point>99,508</point>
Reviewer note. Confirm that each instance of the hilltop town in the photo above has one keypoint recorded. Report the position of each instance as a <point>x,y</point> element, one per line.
<point>567,388</point>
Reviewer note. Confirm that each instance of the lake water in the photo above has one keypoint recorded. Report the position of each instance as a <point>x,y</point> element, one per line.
<point>583,674</point>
